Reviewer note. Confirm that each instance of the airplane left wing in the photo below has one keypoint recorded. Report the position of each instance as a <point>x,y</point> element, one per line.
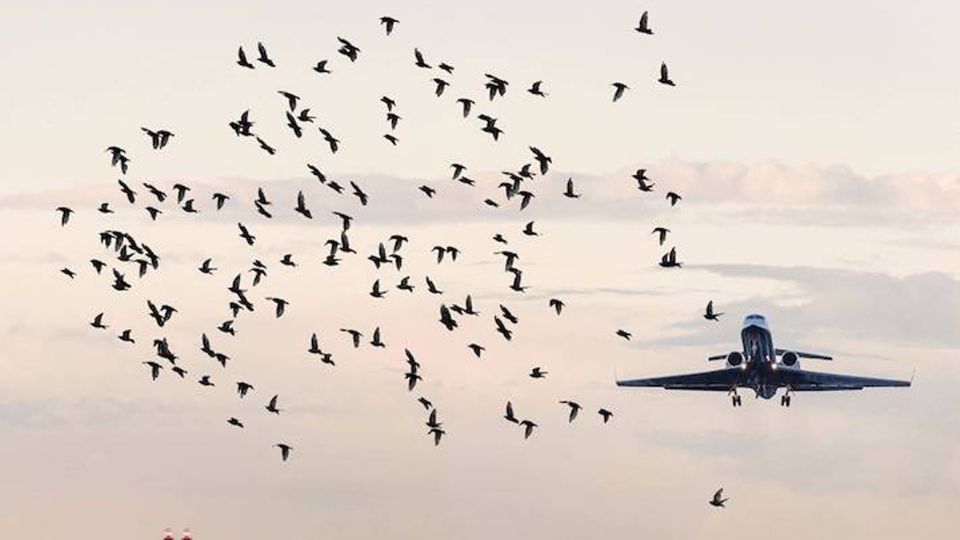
<point>720,380</point>
<point>812,381</point>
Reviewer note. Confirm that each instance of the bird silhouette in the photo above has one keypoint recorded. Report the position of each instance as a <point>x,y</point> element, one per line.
<point>321,67</point>
<point>569,193</point>
<point>673,198</point>
<point>662,234</point>
<point>669,260</point>
<point>535,89</point>
<point>263,57</point>
<point>388,23</point>
<point>272,405</point>
<point>605,414</point>
<point>718,500</point>
<point>709,314</point>
<point>538,373</point>
<point>243,388</point>
<point>284,450</point>
<point>643,27</point>
<point>154,369</point>
<point>574,409</point>
<point>557,305</point>
<point>624,334</point>
<point>528,426</point>
<point>65,214</point>
<point>242,59</point>
<point>664,75</point>
<point>419,61</point>
<point>509,416</point>
<point>235,422</point>
<point>618,89</point>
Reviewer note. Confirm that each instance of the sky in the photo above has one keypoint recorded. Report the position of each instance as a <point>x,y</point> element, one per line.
<point>815,154</point>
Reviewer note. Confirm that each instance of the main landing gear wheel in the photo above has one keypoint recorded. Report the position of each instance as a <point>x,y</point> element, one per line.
<point>785,401</point>
<point>735,399</point>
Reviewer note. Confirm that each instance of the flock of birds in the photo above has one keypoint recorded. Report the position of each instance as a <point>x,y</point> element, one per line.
<point>517,187</point>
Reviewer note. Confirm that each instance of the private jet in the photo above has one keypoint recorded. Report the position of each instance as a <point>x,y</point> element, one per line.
<point>764,369</point>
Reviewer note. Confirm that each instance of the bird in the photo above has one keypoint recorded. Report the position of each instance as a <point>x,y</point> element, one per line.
<point>528,230</point>
<point>517,277</point>
<point>446,67</point>
<point>574,409</point>
<point>375,290</point>
<point>388,23</point>
<point>302,206</point>
<point>619,88</point>
<point>69,273</point>
<point>718,500</point>
<point>266,147</point>
<point>535,89</point>
<point>428,191</point>
<point>557,305</point>
<point>294,126</point>
<point>331,140</point>
<point>441,85</point>
<point>419,61</point>
<point>431,286</point>
<point>437,434</point>
<point>284,450</point>
<point>292,99</point>
<point>662,234</point>
<point>457,170</point>
<point>709,313</point>
<point>376,342</point>
<point>98,322</point>
<point>220,199</point>
<point>242,59</point>
<point>605,414</point>
<point>127,191</point>
<point>643,26</point>
<point>390,103</point>
<point>624,334</point>
<point>509,414</point>
<point>538,373</point>
<point>354,334</point>
<point>280,303</point>
<point>159,138</point>
<point>245,234</point>
<point>673,198</point>
<point>665,76</point>
<point>542,159</point>
<point>64,215</point>
<point>348,49</point>
<point>466,104</point>
<point>392,139</point>
<point>263,57</point>
<point>669,260</point>
<point>272,405</point>
<point>528,426</point>
<point>446,319</point>
<point>393,118</point>
<point>412,378</point>
<point>425,402</point>
<point>154,369</point>
<point>508,315</point>
<point>305,116</point>
<point>477,349</point>
<point>321,67</point>
<point>205,381</point>
<point>243,388</point>
<point>569,192</point>
<point>234,422</point>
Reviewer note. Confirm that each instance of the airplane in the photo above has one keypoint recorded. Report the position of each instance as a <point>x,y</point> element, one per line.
<point>763,369</point>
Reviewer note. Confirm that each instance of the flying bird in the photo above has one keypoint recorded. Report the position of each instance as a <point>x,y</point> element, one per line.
<point>263,57</point>
<point>662,234</point>
<point>643,27</point>
<point>242,59</point>
<point>388,23</point>
<point>284,450</point>
<point>321,67</point>
<point>709,313</point>
<point>619,88</point>
<point>718,500</point>
<point>664,75</point>
<point>574,409</point>
<point>673,198</point>
<point>605,414</point>
<point>535,89</point>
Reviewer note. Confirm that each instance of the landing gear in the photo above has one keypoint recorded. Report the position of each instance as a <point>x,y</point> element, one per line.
<point>735,398</point>
<point>785,399</point>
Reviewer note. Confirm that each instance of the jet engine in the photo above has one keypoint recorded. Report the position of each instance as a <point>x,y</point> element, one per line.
<point>789,359</point>
<point>734,359</point>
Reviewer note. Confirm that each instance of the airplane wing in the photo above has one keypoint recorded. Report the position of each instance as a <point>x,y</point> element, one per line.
<point>812,381</point>
<point>720,380</point>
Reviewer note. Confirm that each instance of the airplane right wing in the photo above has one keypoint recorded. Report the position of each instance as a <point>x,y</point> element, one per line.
<point>720,380</point>
<point>813,381</point>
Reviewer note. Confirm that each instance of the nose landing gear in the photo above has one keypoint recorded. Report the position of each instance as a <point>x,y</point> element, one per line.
<point>735,398</point>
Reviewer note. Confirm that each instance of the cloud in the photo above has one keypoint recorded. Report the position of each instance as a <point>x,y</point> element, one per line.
<point>919,309</point>
<point>767,190</point>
